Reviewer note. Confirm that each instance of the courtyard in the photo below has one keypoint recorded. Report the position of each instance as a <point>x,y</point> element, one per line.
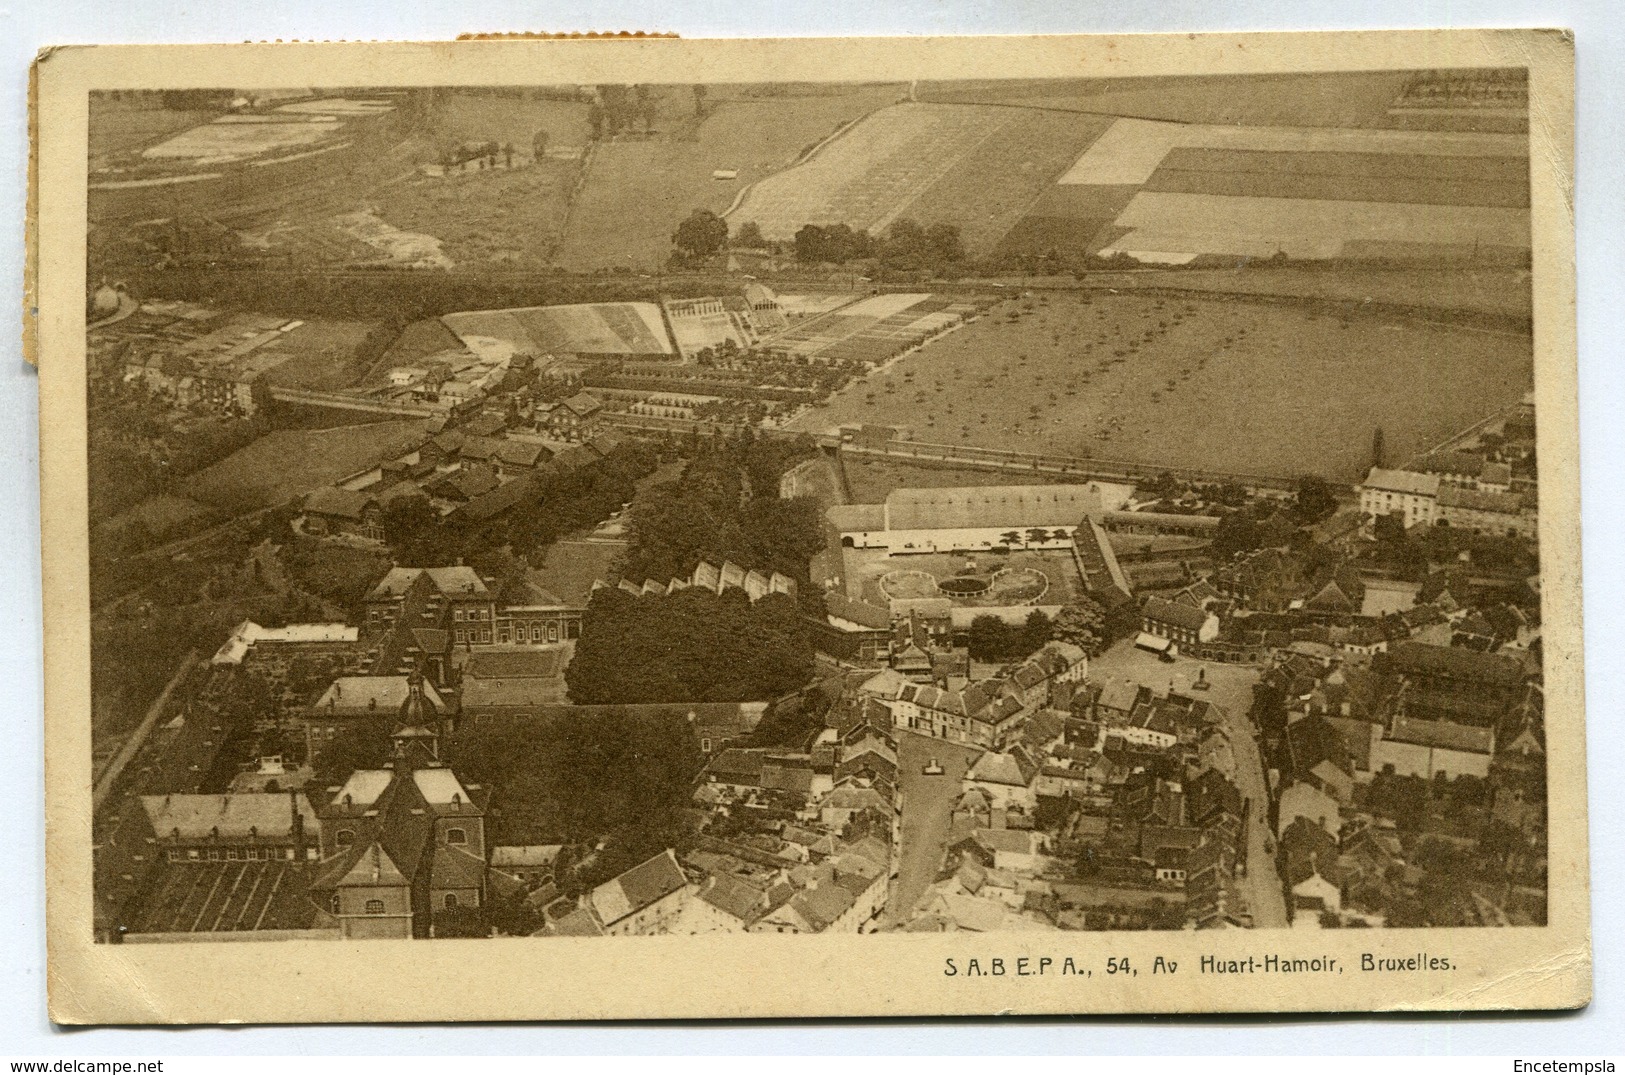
<point>1037,577</point>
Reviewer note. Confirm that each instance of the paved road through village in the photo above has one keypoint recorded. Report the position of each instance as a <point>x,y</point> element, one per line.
<point>928,803</point>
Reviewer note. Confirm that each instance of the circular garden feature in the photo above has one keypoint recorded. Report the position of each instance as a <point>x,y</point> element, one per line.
<point>965,586</point>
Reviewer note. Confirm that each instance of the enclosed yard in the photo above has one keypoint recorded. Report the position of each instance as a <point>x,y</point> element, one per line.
<point>284,465</point>
<point>1223,385</point>
<point>980,580</point>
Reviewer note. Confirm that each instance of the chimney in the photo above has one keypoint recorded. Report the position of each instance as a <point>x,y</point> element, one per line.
<point>298,826</point>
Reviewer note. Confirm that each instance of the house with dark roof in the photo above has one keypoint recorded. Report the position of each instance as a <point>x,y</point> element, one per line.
<point>647,899</point>
<point>334,510</point>
<point>1318,755</point>
<point>1308,856</point>
<point>572,419</point>
<point>1179,623</point>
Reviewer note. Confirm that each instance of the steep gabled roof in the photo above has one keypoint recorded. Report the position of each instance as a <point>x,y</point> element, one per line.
<point>643,885</point>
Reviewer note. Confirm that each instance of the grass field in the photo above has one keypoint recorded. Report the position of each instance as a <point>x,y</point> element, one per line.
<point>322,356</point>
<point>1224,385</point>
<point>116,127</point>
<point>284,465</point>
<point>488,218</point>
<point>636,193</point>
<point>471,116</point>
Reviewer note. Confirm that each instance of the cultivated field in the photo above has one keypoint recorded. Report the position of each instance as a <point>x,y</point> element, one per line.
<point>118,127</point>
<point>873,329</point>
<point>1174,192</point>
<point>872,477</point>
<point>1224,385</point>
<point>287,464</point>
<point>636,193</point>
<point>1358,99</point>
<point>621,328</point>
<point>979,168</point>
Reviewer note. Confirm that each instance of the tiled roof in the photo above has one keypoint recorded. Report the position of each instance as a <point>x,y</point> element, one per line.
<point>233,816</point>
<point>338,503</point>
<point>1442,734</point>
<point>1158,610</point>
<point>1419,658</point>
<point>1402,481</point>
<point>856,518</point>
<point>644,884</point>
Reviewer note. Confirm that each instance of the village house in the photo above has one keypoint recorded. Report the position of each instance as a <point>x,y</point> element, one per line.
<point>1179,623</point>
<point>572,419</point>
<point>645,900</point>
<point>1411,496</point>
<point>1005,778</point>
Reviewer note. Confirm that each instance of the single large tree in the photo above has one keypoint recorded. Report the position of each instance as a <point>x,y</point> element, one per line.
<point>701,235</point>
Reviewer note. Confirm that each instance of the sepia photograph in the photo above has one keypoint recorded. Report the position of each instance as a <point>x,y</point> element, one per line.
<point>949,512</point>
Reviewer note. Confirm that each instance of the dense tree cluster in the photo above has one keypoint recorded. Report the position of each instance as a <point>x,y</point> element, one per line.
<point>991,639</point>
<point>906,246</point>
<point>1085,624</point>
<point>691,646</point>
<point>579,779</point>
<point>725,506</point>
<point>556,505</point>
<point>621,108</point>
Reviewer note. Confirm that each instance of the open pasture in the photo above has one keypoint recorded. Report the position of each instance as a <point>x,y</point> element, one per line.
<point>287,464</point>
<point>1212,384</point>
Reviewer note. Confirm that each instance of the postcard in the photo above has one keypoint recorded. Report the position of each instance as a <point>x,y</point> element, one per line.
<point>659,529</point>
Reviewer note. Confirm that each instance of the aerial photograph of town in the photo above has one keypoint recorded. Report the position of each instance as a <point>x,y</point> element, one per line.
<point>910,507</point>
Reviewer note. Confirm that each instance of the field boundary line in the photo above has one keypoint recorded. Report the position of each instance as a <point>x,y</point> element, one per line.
<point>802,158</point>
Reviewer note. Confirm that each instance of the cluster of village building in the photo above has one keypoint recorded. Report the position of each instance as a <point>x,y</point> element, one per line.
<point>1082,802</point>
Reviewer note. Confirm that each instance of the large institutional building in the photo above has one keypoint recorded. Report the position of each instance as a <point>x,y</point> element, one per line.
<point>971,519</point>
